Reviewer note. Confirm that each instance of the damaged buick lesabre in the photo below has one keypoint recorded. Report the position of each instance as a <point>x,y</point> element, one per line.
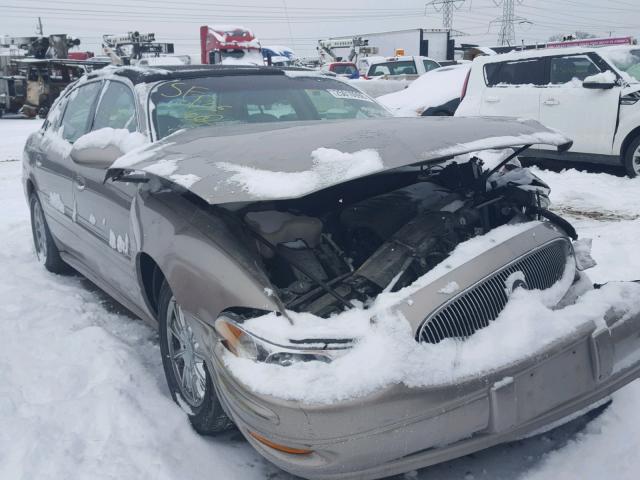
<point>360,295</point>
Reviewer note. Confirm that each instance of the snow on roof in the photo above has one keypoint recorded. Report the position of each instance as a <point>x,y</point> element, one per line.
<point>543,52</point>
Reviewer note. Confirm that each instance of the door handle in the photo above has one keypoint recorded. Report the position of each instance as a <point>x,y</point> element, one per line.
<point>492,99</point>
<point>551,101</point>
<point>80,183</point>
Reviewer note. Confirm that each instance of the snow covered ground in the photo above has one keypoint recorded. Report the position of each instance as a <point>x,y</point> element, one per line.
<point>82,393</point>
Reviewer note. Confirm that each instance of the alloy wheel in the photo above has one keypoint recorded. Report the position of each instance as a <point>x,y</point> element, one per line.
<point>186,360</point>
<point>39,233</point>
<point>635,161</point>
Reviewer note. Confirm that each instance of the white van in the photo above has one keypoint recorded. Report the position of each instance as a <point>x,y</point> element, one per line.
<point>589,94</point>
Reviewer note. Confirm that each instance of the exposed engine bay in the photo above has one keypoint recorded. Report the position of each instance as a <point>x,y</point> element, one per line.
<point>335,249</point>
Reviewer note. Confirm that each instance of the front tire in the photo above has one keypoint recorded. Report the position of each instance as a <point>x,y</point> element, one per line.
<point>631,158</point>
<point>46,249</point>
<point>186,372</point>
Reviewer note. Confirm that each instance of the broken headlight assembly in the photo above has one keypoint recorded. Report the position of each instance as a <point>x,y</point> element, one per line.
<point>242,343</point>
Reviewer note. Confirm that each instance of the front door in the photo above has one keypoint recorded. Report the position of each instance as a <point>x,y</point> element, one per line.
<point>587,116</point>
<point>103,208</point>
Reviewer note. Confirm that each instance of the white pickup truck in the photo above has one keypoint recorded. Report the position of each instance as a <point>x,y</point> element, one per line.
<point>401,66</point>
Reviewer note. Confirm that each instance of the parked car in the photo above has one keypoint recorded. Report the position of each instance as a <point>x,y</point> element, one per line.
<point>436,93</point>
<point>342,69</point>
<point>398,66</point>
<point>590,94</point>
<point>204,198</point>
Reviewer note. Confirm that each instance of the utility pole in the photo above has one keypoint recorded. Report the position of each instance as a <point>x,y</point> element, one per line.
<point>39,28</point>
<point>507,33</point>
<point>446,7</point>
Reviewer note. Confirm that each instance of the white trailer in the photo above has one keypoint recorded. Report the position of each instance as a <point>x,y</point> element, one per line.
<point>433,43</point>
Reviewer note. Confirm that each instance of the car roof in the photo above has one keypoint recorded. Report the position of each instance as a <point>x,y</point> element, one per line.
<point>149,74</point>
<point>536,53</point>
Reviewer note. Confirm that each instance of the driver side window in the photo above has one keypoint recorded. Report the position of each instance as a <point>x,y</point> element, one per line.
<point>117,108</point>
<point>565,69</point>
<point>77,116</point>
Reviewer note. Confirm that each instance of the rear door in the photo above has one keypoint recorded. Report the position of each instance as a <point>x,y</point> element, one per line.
<point>513,88</point>
<point>587,116</point>
<point>103,208</point>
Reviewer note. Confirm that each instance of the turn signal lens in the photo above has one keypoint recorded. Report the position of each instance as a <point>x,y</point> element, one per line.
<point>278,447</point>
<point>236,340</point>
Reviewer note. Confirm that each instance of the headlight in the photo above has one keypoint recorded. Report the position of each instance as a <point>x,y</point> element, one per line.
<point>244,344</point>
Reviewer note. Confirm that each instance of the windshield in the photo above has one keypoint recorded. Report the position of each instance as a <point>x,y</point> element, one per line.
<point>405,67</point>
<point>209,101</point>
<point>627,61</point>
<point>343,69</point>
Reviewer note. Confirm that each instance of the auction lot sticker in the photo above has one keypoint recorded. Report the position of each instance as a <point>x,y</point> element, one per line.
<point>352,94</point>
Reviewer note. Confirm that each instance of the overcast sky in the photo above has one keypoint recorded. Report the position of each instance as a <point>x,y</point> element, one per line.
<point>301,23</point>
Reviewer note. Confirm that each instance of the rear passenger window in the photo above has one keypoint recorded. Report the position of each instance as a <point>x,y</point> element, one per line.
<point>77,116</point>
<point>565,69</point>
<point>117,108</point>
<point>520,72</point>
<point>429,65</point>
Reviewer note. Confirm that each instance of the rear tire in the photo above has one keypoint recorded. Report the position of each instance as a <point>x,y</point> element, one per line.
<point>46,249</point>
<point>196,395</point>
<point>631,158</point>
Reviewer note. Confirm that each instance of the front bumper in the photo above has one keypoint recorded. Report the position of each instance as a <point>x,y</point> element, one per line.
<point>399,429</point>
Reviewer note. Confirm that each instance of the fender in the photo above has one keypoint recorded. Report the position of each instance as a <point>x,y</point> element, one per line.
<point>202,260</point>
<point>629,126</point>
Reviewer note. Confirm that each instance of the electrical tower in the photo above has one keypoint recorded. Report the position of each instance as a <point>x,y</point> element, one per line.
<point>507,33</point>
<point>446,7</point>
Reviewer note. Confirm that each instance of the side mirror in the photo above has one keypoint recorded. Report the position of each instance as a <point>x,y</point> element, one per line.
<point>601,81</point>
<point>93,156</point>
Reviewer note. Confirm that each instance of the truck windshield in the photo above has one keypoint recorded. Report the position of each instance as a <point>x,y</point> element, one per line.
<point>627,61</point>
<point>210,101</point>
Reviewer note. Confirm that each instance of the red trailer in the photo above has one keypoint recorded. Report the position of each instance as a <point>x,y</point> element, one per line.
<point>230,45</point>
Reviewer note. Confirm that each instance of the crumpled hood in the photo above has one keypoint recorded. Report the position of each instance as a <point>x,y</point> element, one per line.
<point>277,161</point>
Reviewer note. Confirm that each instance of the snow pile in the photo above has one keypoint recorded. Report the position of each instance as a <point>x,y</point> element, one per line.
<point>121,138</point>
<point>330,166</point>
<point>602,77</point>
<point>429,90</point>
<point>609,197</point>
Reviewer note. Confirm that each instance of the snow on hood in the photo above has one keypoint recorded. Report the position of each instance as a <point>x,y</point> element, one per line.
<point>432,89</point>
<point>226,159</point>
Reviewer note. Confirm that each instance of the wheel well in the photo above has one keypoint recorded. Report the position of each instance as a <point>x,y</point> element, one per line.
<point>152,278</point>
<point>629,138</point>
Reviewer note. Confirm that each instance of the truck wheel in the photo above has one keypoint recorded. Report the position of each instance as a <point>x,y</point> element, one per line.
<point>46,249</point>
<point>632,158</point>
<point>186,372</point>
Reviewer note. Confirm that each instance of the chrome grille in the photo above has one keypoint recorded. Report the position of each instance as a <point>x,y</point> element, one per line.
<point>474,308</point>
